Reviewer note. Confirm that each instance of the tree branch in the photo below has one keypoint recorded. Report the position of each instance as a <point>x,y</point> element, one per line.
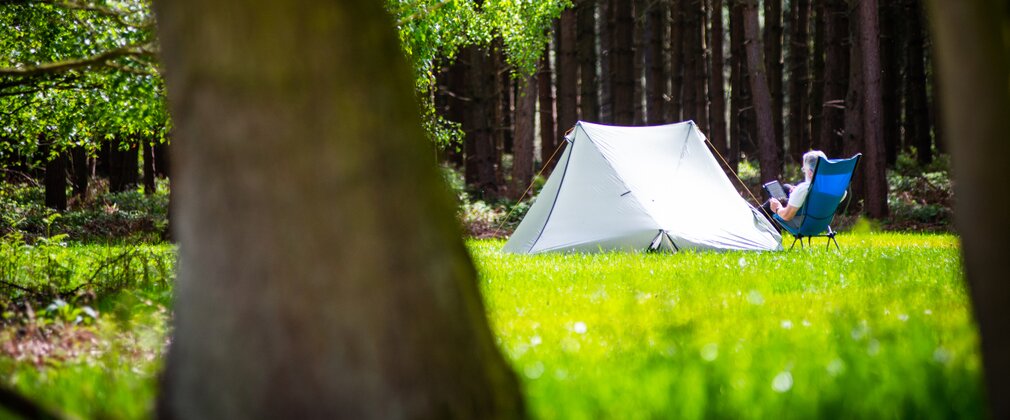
<point>67,65</point>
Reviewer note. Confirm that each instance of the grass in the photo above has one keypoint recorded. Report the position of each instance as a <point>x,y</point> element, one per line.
<point>881,329</point>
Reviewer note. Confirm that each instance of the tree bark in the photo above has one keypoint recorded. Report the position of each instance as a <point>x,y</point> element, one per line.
<point>56,178</point>
<point>815,108</point>
<point>676,104</point>
<point>622,63</point>
<point>743,127</point>
<point>716,82</point>
<point>567,73</point>
<point>689,90</point>
<point>480,133</point>
<point>655,82</point>
<point>701,65</point>
<point>605,26</point>
<point>768,155</point>
<point>81,172</point>
<point>836,76</point>
<point>875,159</point>
<point>545,89</point>
<point>289,201</point>
<point>149,176</point>
<point>773,67</point>
<point>890,52</point>
<point>974,86</point>
<point>522,149</point>
<point>799,136</point>
<point>917,111</point>
<point>122,164</point>
<point>853,139</point>
<point>589,100</point>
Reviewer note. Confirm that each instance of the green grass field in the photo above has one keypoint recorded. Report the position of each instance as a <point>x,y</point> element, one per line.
<point>881,329</point>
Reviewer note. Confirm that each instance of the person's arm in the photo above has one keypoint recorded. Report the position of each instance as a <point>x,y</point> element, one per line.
<point>786,213</point>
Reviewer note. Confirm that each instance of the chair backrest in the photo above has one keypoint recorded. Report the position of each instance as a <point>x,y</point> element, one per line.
<point>827,188</point>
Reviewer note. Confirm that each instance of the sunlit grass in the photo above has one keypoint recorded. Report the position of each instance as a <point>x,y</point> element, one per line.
<point>881,329</point>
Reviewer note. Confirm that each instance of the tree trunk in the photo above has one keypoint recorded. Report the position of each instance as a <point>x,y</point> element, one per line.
<point>56,178</point>
<point>815,107</point>
<point>545,89</point>
<point>773,67</point>
<point>974,85</point>
<point>589,102</point>
<point>768,155</point>
<point>162,161</point>
<point>689,90</point>
<point>875,159</point>
<point>854,115</point>
<point>799,137</point>
<point>836,76</point>
<point>149,177</point>
<point>522,149</point>
<point>605,26</point>
<point>287,290</point>
<point>81,172</point>
<point>676,104</point>
<point>480,135</point>
<point>701,65</point>
<point>742,121</point>
<point>622,63</point>
<point>122,164</point>
<point>568,74</point>
<point>655,83</point>
<point>916,103</point>
<point>890,53</point>
<point>716,86</point>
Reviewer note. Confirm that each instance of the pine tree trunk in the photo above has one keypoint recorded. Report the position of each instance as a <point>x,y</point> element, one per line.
<point>768,153</point>
<point>605,26</point>
<point>162,161</point>
<point>742,121</point>
<point>676,104</point>
<point>916,103</point>
<point>977,110</point>
<point>836,76</point>
<point>567,74</point>
<point>701,64</point>
<point>589,102</point>
<point>853,139</point>
<point>799,137</point>
<point>149,176</point>
<point>655,82</point>
<point>522,150</point>
<point>545,89</point>
<point>81,172</point>
<point>622,63</point>
<point>480,133</point>
<point>815,107</point>
<point>890,52</point>
<point>716,83</point>
<point>875,166</point>
<point>55,179</point>
<point>689,90</point>
<point>773,67</point>
<point>289,301</point>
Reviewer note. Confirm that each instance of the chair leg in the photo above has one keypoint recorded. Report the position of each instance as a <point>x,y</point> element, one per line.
<point>836,243</point>
<point>794,243</point>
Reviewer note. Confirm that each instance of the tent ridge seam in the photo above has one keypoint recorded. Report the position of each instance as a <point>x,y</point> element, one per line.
<point>555,202</point>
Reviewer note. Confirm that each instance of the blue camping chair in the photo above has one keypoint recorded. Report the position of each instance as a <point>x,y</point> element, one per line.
<point>827,188</point>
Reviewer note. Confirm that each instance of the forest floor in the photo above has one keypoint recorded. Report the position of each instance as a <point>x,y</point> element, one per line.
<point>881,329</point>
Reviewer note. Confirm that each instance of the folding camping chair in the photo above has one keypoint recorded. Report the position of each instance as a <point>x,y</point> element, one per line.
<point>827,188</point>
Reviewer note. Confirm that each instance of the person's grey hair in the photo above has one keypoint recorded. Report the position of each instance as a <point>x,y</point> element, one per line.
<point>810,159</point>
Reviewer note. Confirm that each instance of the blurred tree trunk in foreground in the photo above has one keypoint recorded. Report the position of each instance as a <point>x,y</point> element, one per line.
<point>975,87</point>
<point>296,176</point>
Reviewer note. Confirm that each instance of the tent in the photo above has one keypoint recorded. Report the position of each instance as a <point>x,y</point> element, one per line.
<point>636,189</point>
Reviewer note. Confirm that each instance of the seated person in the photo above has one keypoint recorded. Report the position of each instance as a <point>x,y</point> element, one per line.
<point>797,194</point>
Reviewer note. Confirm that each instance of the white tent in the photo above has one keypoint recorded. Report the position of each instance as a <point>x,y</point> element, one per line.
<point>640,188</point>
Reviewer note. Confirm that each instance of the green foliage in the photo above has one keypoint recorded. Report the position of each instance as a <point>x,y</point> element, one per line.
<point>119,92</point>
<point>129,215</point>
<point>432,32</point>
<point>881,329</point>
<point>920,197</point>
